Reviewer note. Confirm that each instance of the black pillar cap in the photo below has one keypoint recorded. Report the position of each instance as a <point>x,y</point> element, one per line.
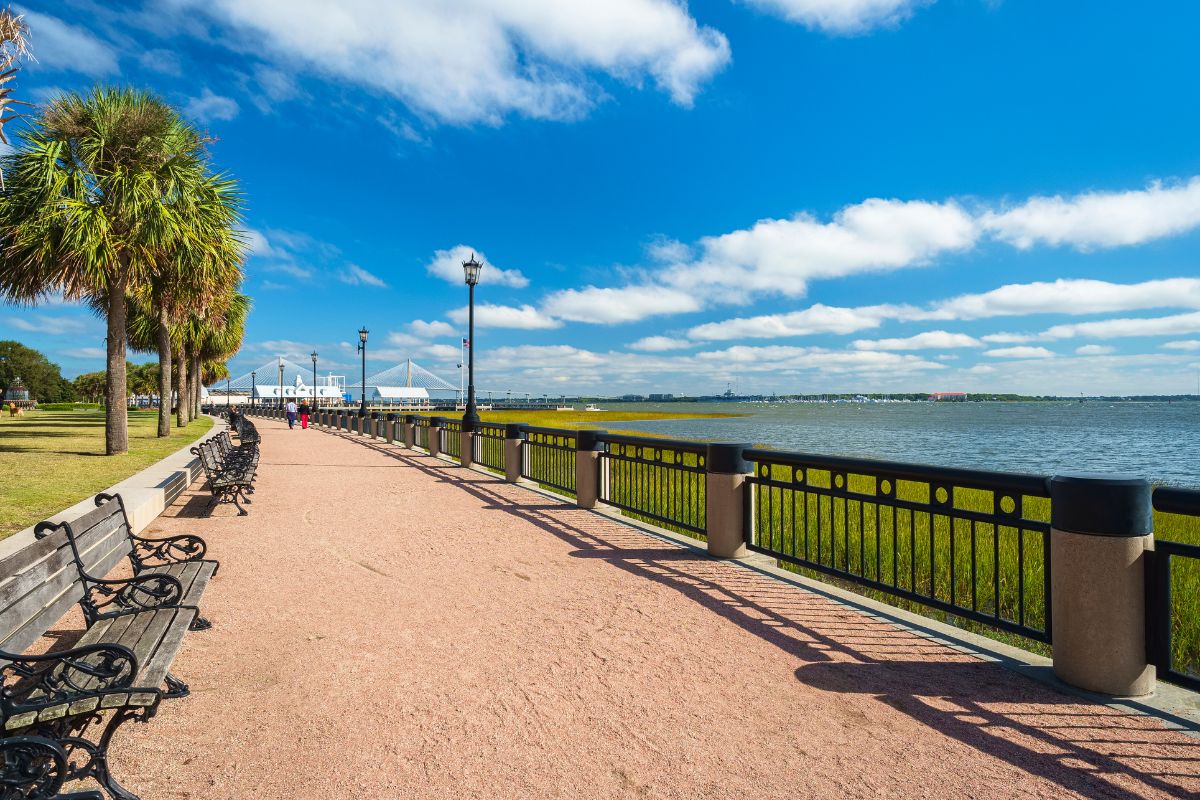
<point>362,413</point>
<point>437,422</point>
<point>1101,505</point>
<point>390,417</point>
<point>514,430</point>
<point>588,440</point>
<point>467,425</point>
<point>411,419</point>
<point>374,415</point>
<point>727,459</point>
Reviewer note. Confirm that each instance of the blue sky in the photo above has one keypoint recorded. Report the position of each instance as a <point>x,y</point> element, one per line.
<point>789,195</point>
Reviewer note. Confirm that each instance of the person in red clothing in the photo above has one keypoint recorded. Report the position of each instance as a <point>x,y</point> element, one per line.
<point>304,415</point>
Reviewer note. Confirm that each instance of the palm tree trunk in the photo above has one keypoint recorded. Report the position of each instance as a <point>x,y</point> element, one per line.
<point>164,373</point>
<point>181,406</point>
<point>195,376</point>
<point>116,394</point>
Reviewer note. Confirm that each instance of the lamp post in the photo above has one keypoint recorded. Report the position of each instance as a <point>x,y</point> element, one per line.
<point>281,381</point>
<point>314,358</point>
<point>362,348</point>
<point>471,270</point>
<point>228,393</point>
<point>253,389</point>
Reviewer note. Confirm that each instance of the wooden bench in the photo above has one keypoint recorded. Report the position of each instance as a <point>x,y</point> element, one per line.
<point>118,670</point>
<point>107,528</point>
<point>228,482</point>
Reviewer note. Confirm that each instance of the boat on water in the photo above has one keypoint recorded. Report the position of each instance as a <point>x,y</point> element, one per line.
<point>564,408</point>
<point>593,407</point>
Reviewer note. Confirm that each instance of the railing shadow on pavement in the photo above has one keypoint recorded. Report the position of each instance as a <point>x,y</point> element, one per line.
<point>1059,737</point>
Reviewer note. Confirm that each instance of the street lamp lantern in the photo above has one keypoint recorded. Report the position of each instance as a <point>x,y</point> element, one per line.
<point>471,270</point>
<point>362,348</point>
<point>314,358</point>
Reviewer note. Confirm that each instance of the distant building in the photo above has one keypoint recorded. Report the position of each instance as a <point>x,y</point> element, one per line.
<point>959,396</point>
<point>661,398</point>
<point>633,398</point>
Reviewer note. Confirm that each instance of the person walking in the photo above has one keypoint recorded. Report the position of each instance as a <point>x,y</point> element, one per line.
<point>304,410</point>
<point>291,413</point>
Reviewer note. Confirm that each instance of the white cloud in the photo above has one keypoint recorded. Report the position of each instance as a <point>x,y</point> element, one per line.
<point>431,330</point>
<point>1095,350</point>
<point>162,61</point>
<point>842,16</point>
<point>85,353</point>
<point>494,316</point>
<point>611,306</point>
<point>357,276</point>
<point>398,339</point>
<point>257,244</point>
<point>1008,338</point>
<point>929,340</point>
<point>813,320</point>
<point>477,60</point>
<point>782,256</point>
<point>48,325</point>
<point>1019,352</point>
<point>660,344</point>
<point>1185,344</point>
<point>1100,219</point>
<point>1075,296</point>
<point>448,265</point>
<point>209,107</point>
<point>668,251</point>
<point>780,357</point>
<point>1174,325</point>
<point>61,46</point>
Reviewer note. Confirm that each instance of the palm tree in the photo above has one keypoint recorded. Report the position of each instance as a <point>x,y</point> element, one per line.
<point>92,203</point>
<point>215,338</point>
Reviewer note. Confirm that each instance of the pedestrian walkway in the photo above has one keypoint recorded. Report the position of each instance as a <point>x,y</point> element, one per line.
<point>387,625</point>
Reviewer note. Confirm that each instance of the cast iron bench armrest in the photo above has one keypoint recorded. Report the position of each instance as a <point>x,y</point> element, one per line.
<point>35,767</point>
<point>167,550</point>
<point>145,591</point>
<point>65,675</point>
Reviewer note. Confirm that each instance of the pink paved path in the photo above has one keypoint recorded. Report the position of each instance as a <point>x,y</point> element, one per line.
<point>390,626</point>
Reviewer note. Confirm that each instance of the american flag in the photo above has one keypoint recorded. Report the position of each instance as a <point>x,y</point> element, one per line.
<point>466,342</point>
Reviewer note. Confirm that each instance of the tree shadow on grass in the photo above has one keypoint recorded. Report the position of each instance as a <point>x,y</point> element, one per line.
<point>1084,747</point>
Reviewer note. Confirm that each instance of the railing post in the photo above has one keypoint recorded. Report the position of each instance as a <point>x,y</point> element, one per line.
<point>514,441</point>
<point>726,470</point>
<point>1100,529</point>
<point>389,425</point>
<point>466,447</point>
<point>373,425</point>
<point>410,431</point>
<point>587,468</point>
<point>435,435</point>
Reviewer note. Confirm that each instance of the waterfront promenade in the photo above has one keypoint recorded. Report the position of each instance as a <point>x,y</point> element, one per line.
<point>388,625</point>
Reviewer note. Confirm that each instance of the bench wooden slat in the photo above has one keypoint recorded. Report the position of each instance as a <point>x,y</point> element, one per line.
<point>159,664</point>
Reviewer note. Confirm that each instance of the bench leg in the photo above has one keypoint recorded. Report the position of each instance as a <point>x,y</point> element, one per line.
<point>175,687</point>
<point>199,624</point>
<point>233,498</point>
<point>94,761</point>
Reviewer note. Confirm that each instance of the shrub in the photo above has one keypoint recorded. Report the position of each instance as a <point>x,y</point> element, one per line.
<point>67,406</point>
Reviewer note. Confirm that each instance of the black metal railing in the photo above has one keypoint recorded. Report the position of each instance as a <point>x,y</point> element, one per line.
<point>489,446</point>
<point>1173,582</point>
<point>973,544</point>
<point>548,458</point>
<point>451,442</point>
<point>658,480</point>
<point>421,437</point>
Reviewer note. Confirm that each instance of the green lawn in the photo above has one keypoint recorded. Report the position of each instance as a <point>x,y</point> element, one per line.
<point>51,460</point>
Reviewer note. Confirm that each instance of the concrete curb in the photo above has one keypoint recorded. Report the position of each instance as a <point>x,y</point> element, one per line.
<point>146,494</point>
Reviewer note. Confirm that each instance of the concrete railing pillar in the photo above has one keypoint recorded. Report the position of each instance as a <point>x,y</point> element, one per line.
<point>514,441</point>
<point>410,431</point>
<point>435,435</point>
<point>1100,529</point>
<point>725,499</point>
<point>466,448</point>
<point>373,425</point>
<point>389,428</point>
<point>587,468</point>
